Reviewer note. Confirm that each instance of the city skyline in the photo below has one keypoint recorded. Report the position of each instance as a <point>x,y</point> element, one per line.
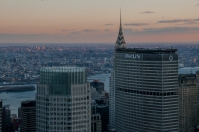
<point>86,21</point>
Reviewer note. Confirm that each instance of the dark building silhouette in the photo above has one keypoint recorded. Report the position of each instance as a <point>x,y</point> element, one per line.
<point>1,104</point>
<point>103,110</point>
<point>6,121</point>
<point>98,85</point>
<point>19,112</point>
<point>188,102</point>
<point>16,124</point>
<point>28,116</point>
<point>96,122</point>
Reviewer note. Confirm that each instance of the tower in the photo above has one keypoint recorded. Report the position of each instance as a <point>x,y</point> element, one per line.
<point>120,42</point>
<point>188,102</point>
<point>1,106</point>
<point>63,100</point>
<point>146,88</point>
<point>28,116</point>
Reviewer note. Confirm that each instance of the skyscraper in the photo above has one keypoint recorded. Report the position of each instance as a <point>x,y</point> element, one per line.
<point>96,124</point>
<point>28,116</point>
<point>63,100</point>
<point>112,101</point>
<point>188,103</point>
<point>1,106</point>
<point>99,86</point>
<point>146,86</point>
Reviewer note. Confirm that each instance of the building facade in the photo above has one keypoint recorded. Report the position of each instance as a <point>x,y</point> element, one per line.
<point>112,101</point>
<point>63,100</point>
<point>1,106</point>
<point>99,86</point>
<point>146,88</point>
<point>28,116</point>
<point>188,102</point>
<point>96,122</point>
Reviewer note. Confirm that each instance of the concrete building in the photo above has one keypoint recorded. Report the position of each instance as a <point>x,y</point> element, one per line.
<point>188,103</point>
<point>146,88</point>
<point>99,86</point>
<point>1,106</point>
<point>103,110</point>
<point>63,100</point>
<point>94,94</point>
<point>28,116</point>
<point>112,101</point>
<point>6,120</point>
<point>96,122</point>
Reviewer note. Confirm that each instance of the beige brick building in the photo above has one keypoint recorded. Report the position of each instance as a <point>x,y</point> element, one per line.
<point>188,102</point>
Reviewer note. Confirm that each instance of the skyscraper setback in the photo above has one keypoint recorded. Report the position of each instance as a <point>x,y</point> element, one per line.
<point>145,86</point>
<point>63,100</point>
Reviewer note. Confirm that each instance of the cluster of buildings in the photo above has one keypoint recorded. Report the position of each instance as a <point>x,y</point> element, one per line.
<point>147,94</point>
<point>63,103</point>
<point>21,64</point>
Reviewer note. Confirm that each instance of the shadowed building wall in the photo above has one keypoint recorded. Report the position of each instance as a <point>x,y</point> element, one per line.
<point>28,116</point>
<point>188,102</point>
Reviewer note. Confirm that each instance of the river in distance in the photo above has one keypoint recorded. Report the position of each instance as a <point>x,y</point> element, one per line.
<point>14,98</point>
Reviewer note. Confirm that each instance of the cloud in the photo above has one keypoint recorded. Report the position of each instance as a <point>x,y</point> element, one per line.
<point>63,30</point>
<point>90,30</point>
<point>147,12</point>
<point>130,31</point>
<point>108,30</point>
<point>196,5</point>
<point>136,24</point>
<point>170,29</point>
<point>178,21</point>
<point>159,30</point>
<point>76,32</point>
<point>108,24</point>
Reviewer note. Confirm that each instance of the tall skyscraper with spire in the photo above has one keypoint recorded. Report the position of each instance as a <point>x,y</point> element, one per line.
<point>144,87</point>
<point>120,42</point>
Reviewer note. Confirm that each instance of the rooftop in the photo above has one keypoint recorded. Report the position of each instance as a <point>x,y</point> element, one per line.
<point>62,69</point>
<point>147,50</point>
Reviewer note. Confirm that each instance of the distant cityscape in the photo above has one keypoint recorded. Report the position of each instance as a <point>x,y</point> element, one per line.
<point>21,64</point>
<point>151,88</point>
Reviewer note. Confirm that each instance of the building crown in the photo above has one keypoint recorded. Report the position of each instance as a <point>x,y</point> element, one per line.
<point>120,42</point>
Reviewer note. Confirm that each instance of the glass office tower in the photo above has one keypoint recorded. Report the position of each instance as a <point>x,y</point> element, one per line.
<point>63,100</point>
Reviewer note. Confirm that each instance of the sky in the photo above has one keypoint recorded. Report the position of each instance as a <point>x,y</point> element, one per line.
<point>97,21</point>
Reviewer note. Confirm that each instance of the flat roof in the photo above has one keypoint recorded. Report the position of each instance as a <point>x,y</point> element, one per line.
<point>147,50</point>
<point>62,69</point>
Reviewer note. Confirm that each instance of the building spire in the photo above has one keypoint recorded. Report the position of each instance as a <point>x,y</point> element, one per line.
<point>120,19</point>
<point>120,42</point>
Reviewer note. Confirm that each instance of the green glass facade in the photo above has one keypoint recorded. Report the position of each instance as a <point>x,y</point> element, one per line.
<point>60,79</point>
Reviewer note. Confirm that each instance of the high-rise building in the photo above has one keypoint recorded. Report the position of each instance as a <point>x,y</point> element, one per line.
<point>99,86</point>
<point>146,88</point>
<point>7,124</point>
<point>103,110</point>
<point>1,106</point>
<point>112,101</point>
<point>96,122</point>
<point>63,100</point>
<point>28,116</point>
<point>188,103</point>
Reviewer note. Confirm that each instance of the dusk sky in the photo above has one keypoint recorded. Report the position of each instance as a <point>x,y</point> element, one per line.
<point>97,21</point>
